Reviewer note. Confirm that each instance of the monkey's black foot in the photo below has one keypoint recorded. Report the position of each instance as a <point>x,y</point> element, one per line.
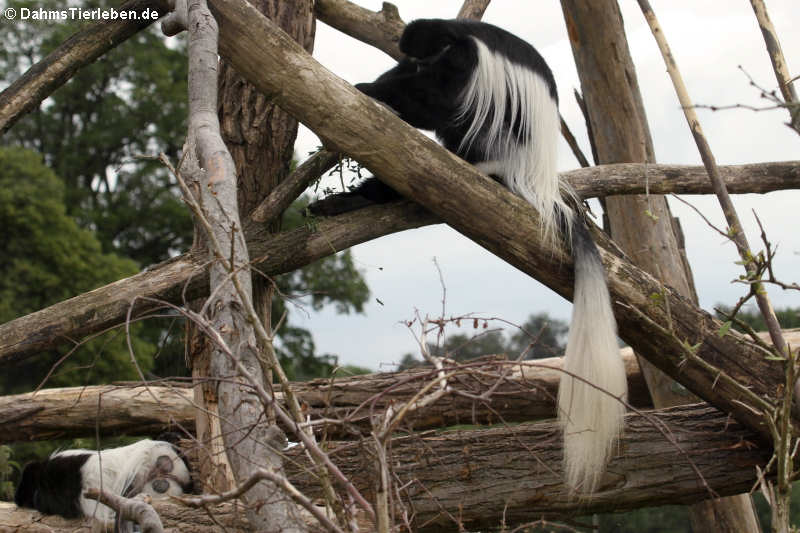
<point>369,192</point>
<point>337,204</point>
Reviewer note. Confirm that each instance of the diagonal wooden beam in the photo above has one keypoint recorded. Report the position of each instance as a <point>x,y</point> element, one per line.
<point>659,323</point>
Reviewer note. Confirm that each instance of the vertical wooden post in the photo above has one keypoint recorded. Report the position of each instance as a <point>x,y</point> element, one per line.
<point>260,137</point>
<point>641,225</point>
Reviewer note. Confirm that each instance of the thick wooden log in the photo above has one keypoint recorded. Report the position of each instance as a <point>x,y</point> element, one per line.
<point>381,29</point>
<point>81,411</point>
<point>512,475</point>
<point>185,278</point>
<point>638,178</point>
<point>361,127</point>
<point>525,393</point>
<point>481,478</point>
<point>176,519</point>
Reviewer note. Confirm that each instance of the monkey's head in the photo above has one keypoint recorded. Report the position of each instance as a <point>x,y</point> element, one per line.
<point>426,38</point>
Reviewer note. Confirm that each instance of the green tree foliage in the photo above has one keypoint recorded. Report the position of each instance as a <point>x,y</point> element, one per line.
<point>91,132</point>
<point>335,281</point>
<point>540,336</point>
<point>45,258</point>
<point>7,468</point>
<point>788,318</point>
<point>131,101</point>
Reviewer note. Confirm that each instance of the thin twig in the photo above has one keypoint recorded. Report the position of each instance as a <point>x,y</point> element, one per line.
<point>259,475</point>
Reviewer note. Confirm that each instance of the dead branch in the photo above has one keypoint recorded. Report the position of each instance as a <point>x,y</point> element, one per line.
<point>639,178</point>
<point>481,476</point>
<point>362,127</point>
<point>30,89</point>
<point>473,9</point>
<point>642,225</point>
<point>248,441</point>
<point>258,475</point>
<point>293,186</point>
<point>177,519</point>
<point>185,277</point>
<point>735,231</point>
<point>136,510</point>
<point>381,30</point>
<point>339,408</point>
<point>77,412</point>
<point>773,44</point>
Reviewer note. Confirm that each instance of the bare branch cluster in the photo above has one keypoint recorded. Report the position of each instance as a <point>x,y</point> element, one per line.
<point>382,468</point>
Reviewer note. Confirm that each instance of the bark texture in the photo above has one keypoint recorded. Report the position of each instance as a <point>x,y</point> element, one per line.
<point>525,393</point>
<point>510,475</point>
<point>641,225</point>
<point>479,478</point>
<point>260,138</point>
<point>176,519</point>
<point>249,442</point>
<point>380,29</point>
<point>384,142</point>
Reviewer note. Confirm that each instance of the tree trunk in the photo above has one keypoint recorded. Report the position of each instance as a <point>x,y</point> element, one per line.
<point>234,366</point>
<point>641,225</point>
<point>260,138</point>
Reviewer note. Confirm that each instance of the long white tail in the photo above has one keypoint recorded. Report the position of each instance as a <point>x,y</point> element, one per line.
<point>594,382</point>
<point>500,93</point>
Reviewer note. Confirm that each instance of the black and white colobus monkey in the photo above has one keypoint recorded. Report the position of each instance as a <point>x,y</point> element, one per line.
<point>491,99</point>
<point>57,484</point>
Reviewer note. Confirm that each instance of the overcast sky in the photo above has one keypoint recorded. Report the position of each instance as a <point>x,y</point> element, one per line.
<point>709,40</point>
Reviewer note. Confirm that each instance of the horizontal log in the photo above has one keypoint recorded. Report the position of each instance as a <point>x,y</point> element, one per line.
<point>512,475</point>
<point>525,393</point>
<point>639,178</point>
<point>518,243</point>
<point>185,277</point>
<point>82,411</point>
<point>176,519</point>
